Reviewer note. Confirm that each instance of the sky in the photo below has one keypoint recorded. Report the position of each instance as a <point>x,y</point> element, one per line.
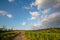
<point>29,14</point>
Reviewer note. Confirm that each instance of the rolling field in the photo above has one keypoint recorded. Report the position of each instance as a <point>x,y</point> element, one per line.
<point>44,34</point>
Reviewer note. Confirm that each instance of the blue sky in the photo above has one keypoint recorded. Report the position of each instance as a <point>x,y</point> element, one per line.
<point>28,14</point>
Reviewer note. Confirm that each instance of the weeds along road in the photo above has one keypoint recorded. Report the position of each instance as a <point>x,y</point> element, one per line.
<point>20,37</point>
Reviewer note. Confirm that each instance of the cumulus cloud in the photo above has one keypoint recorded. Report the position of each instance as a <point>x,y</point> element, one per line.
<point>33,18</point>
<point>56,7</point>
<point>50,15</point>
<point>51,21</point>
<point>10,0</point>
<point>48,6</point>
<point>9,15</point>
<point>34,15</point>
<point>44,3</point>
<point>4,13</point>
<point>46,11</point>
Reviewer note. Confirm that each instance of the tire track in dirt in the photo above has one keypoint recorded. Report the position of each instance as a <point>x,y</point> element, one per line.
<point>20,36</point>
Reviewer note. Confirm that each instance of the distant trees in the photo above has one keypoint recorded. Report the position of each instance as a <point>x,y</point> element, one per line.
<point>4,29</point>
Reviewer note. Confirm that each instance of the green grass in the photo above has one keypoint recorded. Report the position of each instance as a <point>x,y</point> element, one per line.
<point>8,35</point>
<point>43,34</point>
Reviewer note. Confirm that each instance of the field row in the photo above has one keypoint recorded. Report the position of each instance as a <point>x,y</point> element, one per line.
<point>42,36</point>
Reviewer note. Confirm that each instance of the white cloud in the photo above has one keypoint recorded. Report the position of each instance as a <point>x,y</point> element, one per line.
<point>44,3</point>
<point>51,21</point>
<point>9,15</point>
<point>6,14</point>
<point>34,26</point>
<point>23,23</point>
<point>31,4</point>
<point>11,0</point>
<point>34,15</point>
<point>48,6</point>
<point>26,7</point>
<point>46,11</point>
<point>56,7</point>
<point>3,12</point>
<point>33,18</point>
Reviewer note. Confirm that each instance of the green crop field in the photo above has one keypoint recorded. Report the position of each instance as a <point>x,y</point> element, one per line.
<point>43,35</point>
<point>8,35</point>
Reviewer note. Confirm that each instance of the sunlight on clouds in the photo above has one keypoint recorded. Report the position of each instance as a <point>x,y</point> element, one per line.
<point>4,13</point>
<point>44,3</point>
<point>50,15</point>
<point>38,2</point>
